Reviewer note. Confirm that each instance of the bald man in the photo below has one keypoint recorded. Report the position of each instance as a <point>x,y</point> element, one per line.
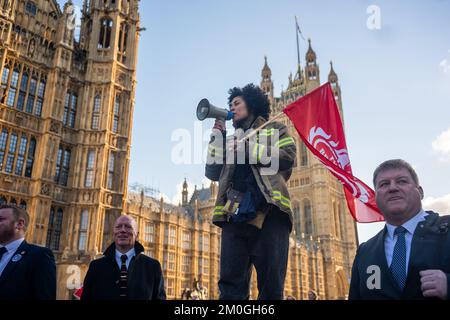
<point>124,272</point>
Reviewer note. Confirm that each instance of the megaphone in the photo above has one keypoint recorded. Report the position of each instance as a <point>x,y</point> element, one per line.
<point>206,110</point>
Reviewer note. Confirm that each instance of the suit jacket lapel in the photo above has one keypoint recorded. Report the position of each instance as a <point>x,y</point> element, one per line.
<point>414,253</point>
<point>22,250</point>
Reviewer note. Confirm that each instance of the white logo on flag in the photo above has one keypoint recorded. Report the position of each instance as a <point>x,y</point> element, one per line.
<point>322,142</point>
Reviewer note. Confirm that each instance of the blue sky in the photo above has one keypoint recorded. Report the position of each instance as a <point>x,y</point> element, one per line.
<point>395,81</point>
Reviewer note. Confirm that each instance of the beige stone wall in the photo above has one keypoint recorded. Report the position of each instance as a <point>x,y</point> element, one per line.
<point>40,43</point>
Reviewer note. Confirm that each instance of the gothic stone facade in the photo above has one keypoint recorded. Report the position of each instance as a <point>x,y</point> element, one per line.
<point>66,108</point>
<point>186,243</point>
<point>318,201</point>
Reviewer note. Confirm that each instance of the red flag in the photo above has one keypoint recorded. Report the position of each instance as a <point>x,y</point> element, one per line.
<point>317,120</point>
<point>77,294</point>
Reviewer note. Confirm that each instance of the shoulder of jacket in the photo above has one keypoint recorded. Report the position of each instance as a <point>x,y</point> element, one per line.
<point>276,125</point>
<point>33,248</point>
<point>153,262</point>
<point>369,244</point>
<point>99,261</point>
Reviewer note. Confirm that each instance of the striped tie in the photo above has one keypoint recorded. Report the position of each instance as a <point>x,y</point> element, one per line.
<point>123,283</point>
<point>398,265</point>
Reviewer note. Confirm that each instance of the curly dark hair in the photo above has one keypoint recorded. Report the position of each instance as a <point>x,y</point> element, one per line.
<point>256,100</point>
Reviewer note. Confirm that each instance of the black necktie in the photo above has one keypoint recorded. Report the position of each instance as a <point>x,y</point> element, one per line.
<point>123,283</point>
<point>3,250</point>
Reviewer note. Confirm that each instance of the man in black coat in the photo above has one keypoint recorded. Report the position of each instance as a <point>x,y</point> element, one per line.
<point>410,257</point>
<point>27,272</point>
<point>125,272</point>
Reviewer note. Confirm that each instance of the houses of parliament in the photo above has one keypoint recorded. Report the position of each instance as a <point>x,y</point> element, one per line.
<point>66,114</point>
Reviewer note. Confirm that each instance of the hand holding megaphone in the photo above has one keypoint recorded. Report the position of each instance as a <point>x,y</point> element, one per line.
<point>207,110</point>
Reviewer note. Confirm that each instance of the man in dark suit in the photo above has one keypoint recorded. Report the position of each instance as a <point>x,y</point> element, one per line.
<point>410,257</point>
<point>125,272</point>
<point>27,272</point>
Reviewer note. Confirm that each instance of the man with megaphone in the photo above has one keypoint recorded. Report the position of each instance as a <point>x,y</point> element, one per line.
<point>253,206</point>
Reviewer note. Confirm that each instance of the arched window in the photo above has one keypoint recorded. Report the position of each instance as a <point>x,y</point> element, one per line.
<point>70,109</point>
<point>11,152</point>
<point>308,217</point>
<point>89,169</point>
<point>303,155</point>
<point>21,155</point>
<point>30,159</point>
<point>115,126</point>
<point>31,8</point>
<point>3,140</point>
<point>13,88</point>
<point>104,40</point>
<point>123,38</point>
<point>297,219</point>
<point>111,167</point>
<point>3,200</point>
<point>62,166</point>
<point>23,91</point>
<point>54,228</point>
<point>40,97</point>
<point>13,201</point>
<point>96,112</point>
<point>31,94</point>
<point>82,242</point>
<point>5,80</point>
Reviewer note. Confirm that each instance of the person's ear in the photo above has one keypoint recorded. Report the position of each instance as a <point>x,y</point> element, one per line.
<point>20,224</point>
<point>421,192</point>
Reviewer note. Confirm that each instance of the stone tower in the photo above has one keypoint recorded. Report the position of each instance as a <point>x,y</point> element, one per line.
<point>266,82</point>
<point>66,116</point>
<point>318,202</point>
<point>184,194</point>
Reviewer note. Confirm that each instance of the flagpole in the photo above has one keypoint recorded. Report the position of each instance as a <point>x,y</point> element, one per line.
<point>251,134</point>
<point>298,46</point>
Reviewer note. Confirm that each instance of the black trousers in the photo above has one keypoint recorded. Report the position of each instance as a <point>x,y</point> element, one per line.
<point>244,245</point>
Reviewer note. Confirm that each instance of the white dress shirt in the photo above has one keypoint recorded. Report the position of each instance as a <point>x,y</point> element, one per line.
<point>391,239</point>
<point>130,254</point>
<point>12,248</point>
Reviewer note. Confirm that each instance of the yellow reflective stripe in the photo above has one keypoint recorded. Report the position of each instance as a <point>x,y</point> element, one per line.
<point>261,149</point>
<point>285,201</point>
<point>218,210</point>
<point>210,147</point>
<point>212,150</point>
<point>267,132</point>
<point>285,142</point>
<point>257,151</point>
<point>276,195</point>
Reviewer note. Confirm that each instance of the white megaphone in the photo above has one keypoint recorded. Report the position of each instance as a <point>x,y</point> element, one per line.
<point>206,110</point>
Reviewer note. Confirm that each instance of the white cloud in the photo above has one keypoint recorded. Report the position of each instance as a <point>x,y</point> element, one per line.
<point>439,204</point>
<point>445,66</point>
<point>442,145</point>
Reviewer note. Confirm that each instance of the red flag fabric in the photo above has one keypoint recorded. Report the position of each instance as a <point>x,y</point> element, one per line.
<point>317,120</point>
<point>77,294</point>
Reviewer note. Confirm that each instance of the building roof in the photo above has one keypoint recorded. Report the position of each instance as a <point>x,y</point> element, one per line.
<point>154,203</point>
<point>200,195</point>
